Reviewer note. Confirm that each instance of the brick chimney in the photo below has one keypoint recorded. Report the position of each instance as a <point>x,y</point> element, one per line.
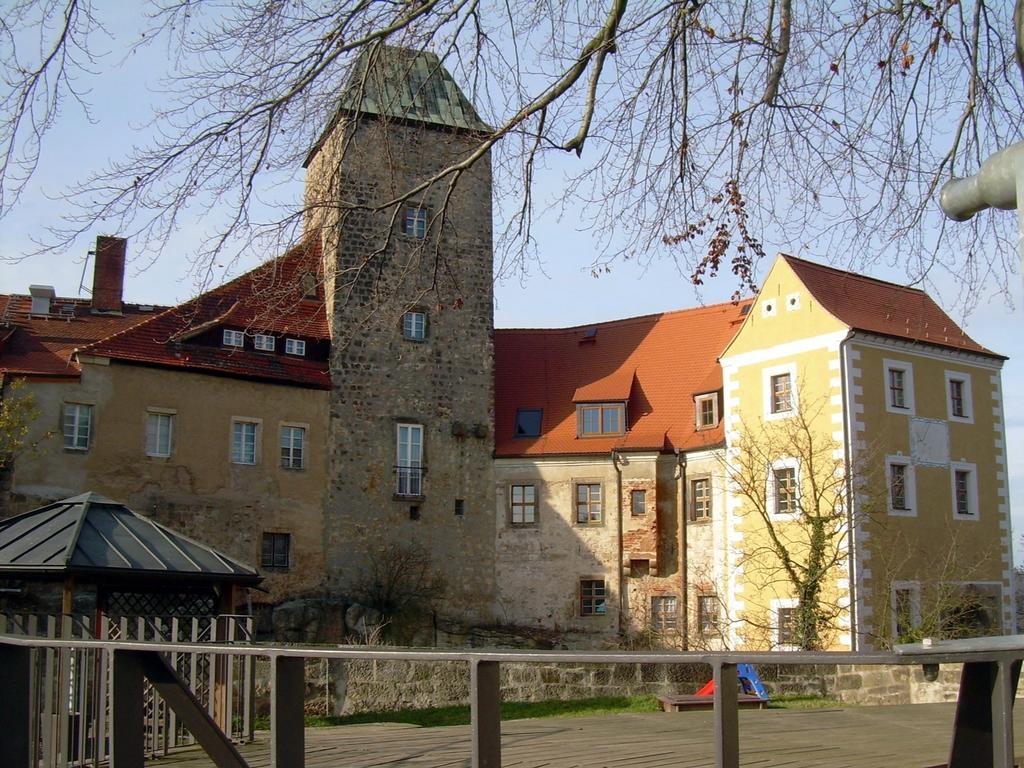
<point>108,277</point>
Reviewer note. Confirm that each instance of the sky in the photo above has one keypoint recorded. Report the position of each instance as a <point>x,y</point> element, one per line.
<point>557,290</point>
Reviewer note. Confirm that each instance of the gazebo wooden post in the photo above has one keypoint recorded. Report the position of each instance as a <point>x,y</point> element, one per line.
<point>67,603</point>
<point>221,661</point>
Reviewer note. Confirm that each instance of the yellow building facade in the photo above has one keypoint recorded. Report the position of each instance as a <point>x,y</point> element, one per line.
<point>861,405</point>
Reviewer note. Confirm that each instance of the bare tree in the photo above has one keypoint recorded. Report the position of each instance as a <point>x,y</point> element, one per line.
<point>703,130</point>
<point>944,601</point>
<point>400,580</point>
<point>793,482</point>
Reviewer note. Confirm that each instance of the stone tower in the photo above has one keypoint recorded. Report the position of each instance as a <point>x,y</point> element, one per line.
<point>410,301</point>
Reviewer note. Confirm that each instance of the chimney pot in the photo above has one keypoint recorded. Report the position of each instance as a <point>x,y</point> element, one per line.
<point>108,275</point>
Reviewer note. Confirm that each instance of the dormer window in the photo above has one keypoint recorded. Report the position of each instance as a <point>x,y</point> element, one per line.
<point>597,419</point>
<point>42,296</point>
<point>263,342</point>
<point>308,283</point>
<point>706,407</point>
<point>528,421</point>
<point>234,338</point>
<point>295,347</point>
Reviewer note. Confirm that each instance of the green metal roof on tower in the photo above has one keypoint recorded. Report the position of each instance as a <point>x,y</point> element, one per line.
<point>403,84</point>
<point>408,85</point>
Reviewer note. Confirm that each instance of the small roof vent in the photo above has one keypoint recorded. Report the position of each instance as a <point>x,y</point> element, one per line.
<point>41,295</point>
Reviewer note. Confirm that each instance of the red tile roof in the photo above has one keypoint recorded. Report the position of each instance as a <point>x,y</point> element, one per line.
<point>665,359</point>
<point>43,345</point>
<point>615,386</point>
<point>875,306</point>
<point>268,299</point>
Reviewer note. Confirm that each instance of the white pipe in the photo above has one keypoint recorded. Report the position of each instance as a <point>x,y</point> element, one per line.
<point>994,186</point>
<point>998,184</point>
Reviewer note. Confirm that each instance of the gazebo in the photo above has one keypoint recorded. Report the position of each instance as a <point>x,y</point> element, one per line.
<point>96,551</point>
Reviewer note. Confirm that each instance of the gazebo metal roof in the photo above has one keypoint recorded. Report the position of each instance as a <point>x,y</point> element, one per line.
<point>92,535</point>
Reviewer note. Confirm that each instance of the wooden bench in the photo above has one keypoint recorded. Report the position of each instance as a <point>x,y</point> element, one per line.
<point>683,702</point>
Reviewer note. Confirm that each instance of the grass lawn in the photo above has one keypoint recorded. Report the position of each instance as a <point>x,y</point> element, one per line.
<point>519,710</point>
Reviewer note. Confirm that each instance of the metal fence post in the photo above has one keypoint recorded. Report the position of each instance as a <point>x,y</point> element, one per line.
<point>485,709</point>
<point>287,712</point>
<point>16,710</point>
<point>127,736</point>
<point>1003,693</point>
<point>727,725</point>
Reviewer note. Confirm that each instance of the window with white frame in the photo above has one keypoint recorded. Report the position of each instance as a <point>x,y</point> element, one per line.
<point>244,442</point>
<point>293,446</point>
<point>77,426</point>
<point>414,325</point>
<point>785,613</point>
<point>780,391</point>
<point>159,433</point>
<point>295,347</point>
<point>409,460</point>
<point>264,342</point>
<point>964,479</point>
<point>905,607</point>
<point>959,405</point>
<point>783,491</point>
<point>901,486</point>
<point>414,222</point>
<point>233,338</point>
<point>522,504</point>
<point>588,504</point>
<point>664,613</point>
<point>899,386</point>
<point>707,411</point>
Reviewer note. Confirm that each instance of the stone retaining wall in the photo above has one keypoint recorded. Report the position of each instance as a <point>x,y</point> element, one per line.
<point>360,686</point>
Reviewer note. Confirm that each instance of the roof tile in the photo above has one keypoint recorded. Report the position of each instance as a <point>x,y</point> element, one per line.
<point>876,306</point>
<point>44,345</point>
<point>659,361</point>
<point>269,299</point>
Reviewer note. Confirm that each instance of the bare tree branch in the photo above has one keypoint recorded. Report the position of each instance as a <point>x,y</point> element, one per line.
<point>716,128</point>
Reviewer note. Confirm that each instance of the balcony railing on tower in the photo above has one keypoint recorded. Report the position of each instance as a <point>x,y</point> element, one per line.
<point>409,480</point>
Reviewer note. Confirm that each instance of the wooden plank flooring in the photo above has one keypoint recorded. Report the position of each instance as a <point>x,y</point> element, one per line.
<point>856,737</point>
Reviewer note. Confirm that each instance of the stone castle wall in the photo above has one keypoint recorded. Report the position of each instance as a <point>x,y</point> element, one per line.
<point>444,382</point>
<point>337,688</point>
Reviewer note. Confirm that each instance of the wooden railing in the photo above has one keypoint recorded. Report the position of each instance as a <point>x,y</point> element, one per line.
<point>982,732</point>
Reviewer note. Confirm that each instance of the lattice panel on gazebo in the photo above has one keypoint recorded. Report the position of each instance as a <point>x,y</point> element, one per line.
<point>163,603</point>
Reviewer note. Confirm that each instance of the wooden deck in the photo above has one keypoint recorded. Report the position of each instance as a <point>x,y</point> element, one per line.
<point>856,737</point>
